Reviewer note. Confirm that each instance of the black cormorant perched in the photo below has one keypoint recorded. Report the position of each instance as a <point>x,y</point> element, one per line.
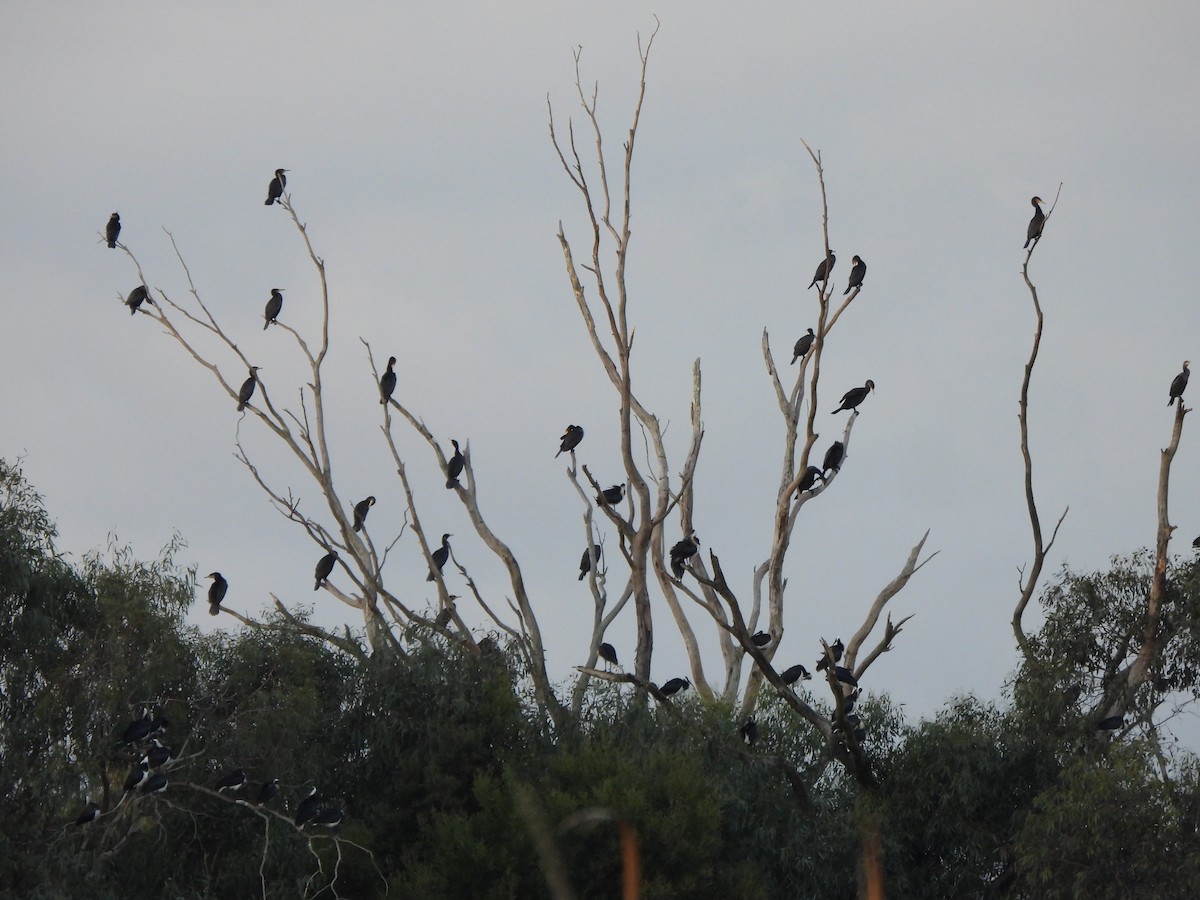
<point>674,686</point>
<point>248,387</point>
<point>835,650</point>
<point>682,552</point>
<point>855,396</point>
<point>274,307</point>
<point>136,298</point>
<point>155,784</point>
<point>802,346</point>
<point>794,674</point>
<point>113,230</point>
<point>440,555</point>
<point>760,639</point>
<point>454,466</point>
<point>90,813</point>
<point>361,508</point>
<point>824,268</point>
<point>387,381</point>
<point>749,732</point>
<point>608,653</point>
<point>1036,224</point>
<point>137,729</point>
<point>1112,723</point>
<point>137,776</point>
<point>845,676</point>
<point>275,188</point>
<point>216,593</point>
<point>307,808</point>
<point>857,273</point>
<point>808,479</point>
<point>1179,383</point>
<point>585,563</point>
<point>609,496</point>
<point>329,816</point>
<point>267,792</point>
<point>570,439</point>
<point>158,755</point>
<point>325,568</point>
<point>833,458</point>
<point>232,780</point>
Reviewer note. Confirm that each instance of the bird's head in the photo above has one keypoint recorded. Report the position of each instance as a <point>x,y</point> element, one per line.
<point>870,385</point>
<point>254,370</point>
<point>1037,201</point>
<point>391,361</point>
<point>1186,363</point>
<point>856,260</point>
<point>370,501</point>
<point>116,215</point>
<point>281,171</point>
<point>213,575</point>
<point>446,537</point>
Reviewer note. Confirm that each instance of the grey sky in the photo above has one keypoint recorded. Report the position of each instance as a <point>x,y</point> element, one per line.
<point>419,157</point>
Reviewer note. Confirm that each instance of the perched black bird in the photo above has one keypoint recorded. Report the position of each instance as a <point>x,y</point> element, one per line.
<point>835,650</point>
<point>749,733</point>
<point>794,674</point>
<point>849,700</point>
<point>90,813</point>
<point>845,676</point>
<point>158,755</point>
<point>570,439</point>
<point>248,387</point>
<point>267,792</point>
<point>324,568</point>
<point>855,396</point>
<point>307,808</point>
<point>682,552</point>
<point>216,593</point>
<point>585,564</point>
<point>232,780</point>
<point>361,508</point>
<point>674,686</point>
<point>387,381</point>
<point>274,307</point>
<point>136,298</point>
<point>614,494</point>
<point>137,776</point>
<point>809,479</point>
<point>137,729</point>
<point>760,639</point>
<point>608,653</point>
<point>825,268</point>
<point>155,784</point>
<point>833,458</point>
<point>113,230</point>
<point>329,816</point>
<point>1036,224</point>
<point>857,273</point>
<point>1112,723</point>
<point>275,188</point>
<point>1178,384</point>
<point>440,555</point>
<point>802,346</point>
<point>454,466</point>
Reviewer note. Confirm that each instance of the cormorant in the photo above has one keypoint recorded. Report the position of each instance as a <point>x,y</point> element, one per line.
<point>113,230</point>
<point>267,792</point>
<point>324,568</point>
<point>307,808</point>
<point>760,639</point>
<point>794,674</point>
<point>608,653</point>
<point>835,650</point>
<point>682,552</point>
<point>1112,723</point>
<point>275,188</point>
<point>585,563</point>
<point>1036,224</point>
<point>802,346</point>
<point>609,496</point>
<point>137,776</point>
<point>833,458</point>
<point>361,508</point>
<point>387,382</point>
<point>440,555</point>
<point>857,273</point>
<point>570,439</point>
<point>749,733</point>
<point>454,466</point>
<point>137,729</point>
<point>136,298</point>
<point>824,268</point>
<point>248,387</point>
<point>330,817</point>
<point>855,396</point>
<point>1179,384</point>
<point>845,676</point>
<point>674,686</point>
<point>808,479</point>
<point>90,813</point>
<point>216,593</point>
<point>232,780</point>
<point>155,784</point>
<point>158,755</point>
<point>274,307</point>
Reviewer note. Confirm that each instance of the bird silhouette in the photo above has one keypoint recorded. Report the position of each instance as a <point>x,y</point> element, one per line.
<point>136,298</point>
<point>273,308</point>
<point>1036,224</point>
<point>275,188</point>
<point>324,568</point>
<point>857,273</point>
<point>454,466</point>
<point>853,397</point>
<point>802,346</point>
<point>361,508</point>
<point>825,268</point>
<point>216,593</point>
<point>440,555</point>
<point>248,387</point>
<point>113,230</point>
<point>1178,384</point>
<point>387,382</point>
<point>570,440</point>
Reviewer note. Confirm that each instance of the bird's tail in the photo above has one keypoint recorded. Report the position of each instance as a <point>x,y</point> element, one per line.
<point>214,609</point>
<point>270,201</point>
<point>265,324</point>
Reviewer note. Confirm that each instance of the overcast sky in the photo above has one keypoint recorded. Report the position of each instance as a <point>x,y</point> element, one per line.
<point>419,155</point>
